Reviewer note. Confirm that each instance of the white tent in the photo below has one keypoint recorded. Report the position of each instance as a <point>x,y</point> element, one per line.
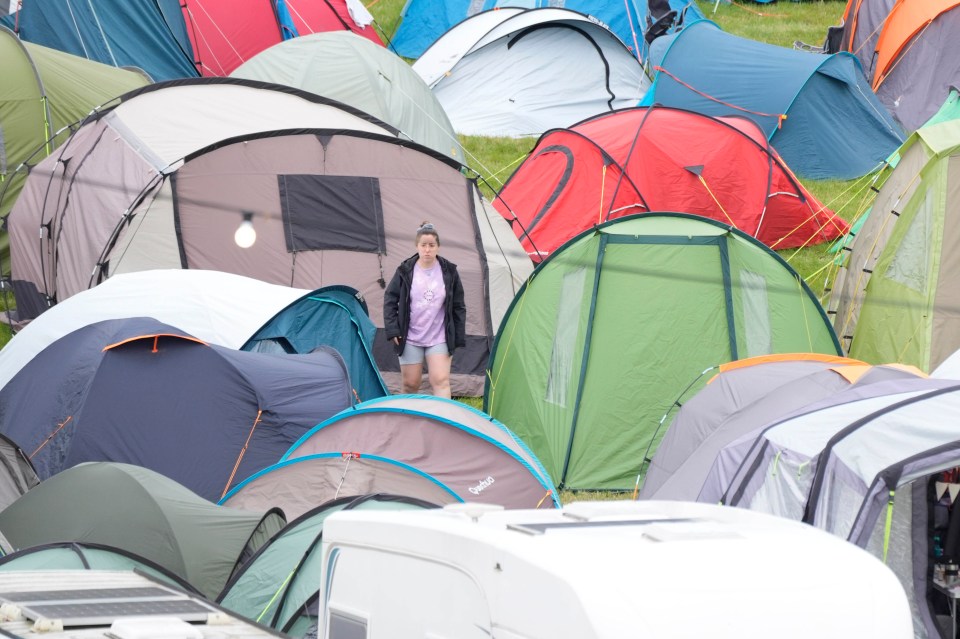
<point>220,308</point>
<point>510,72</point>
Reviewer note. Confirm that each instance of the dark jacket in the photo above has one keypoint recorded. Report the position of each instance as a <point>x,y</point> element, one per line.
<point>396,304</point>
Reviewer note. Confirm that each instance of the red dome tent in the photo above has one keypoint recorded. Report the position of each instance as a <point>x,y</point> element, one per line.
<point>660,159</point>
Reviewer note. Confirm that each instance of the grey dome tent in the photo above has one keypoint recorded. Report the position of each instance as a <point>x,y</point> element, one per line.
<point>142,392</point>
<point>17,474</point>
<point>352,69</point>
<point>280,585</point>
<point>421,446</point>
<point>334,316</point>
<point>142,512</point>
<point>75,555</point>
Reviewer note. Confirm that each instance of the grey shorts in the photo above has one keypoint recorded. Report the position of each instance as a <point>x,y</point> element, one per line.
<point>415,354</point>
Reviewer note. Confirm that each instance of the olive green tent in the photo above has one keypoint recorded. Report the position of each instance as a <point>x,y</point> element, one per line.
<point>141,512</point>
<point>896,297</point>
<point>42,91</point>
<point>609,330</point>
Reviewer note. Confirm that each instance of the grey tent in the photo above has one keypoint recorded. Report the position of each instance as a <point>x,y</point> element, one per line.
<point>405,445</point>
<point>332,205</point>
<point>352,69</point>
<point>280,585</point>
<point>334,316</point>
<point>741,398</point>
<point>142,392</point>
<point>75,555</point>
<point>17,474</point>
<point>142,512</point>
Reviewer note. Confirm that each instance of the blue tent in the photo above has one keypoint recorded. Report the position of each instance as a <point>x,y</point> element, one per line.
<point>149,35</point>
<point>817,110</point>
<point>423,21</point>
<point>334,316</point>
<point>141,392</point>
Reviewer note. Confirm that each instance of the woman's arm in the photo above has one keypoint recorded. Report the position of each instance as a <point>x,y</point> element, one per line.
<point>391,307</point>
<point>459,312</point>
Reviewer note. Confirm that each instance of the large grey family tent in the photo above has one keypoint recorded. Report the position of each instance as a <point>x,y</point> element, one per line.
<point>220,308</point>
<point>740,399</point>
<point>280,585</point>
<point>345,67</point>
<point>420,446</point>
<point>123,155</point>
<point>334,316</point>
<point>329,205</point>
<point>612,328</point>
<point>896,294</point>
<point>865,468</point>
<point>75,555</point>
<point>508,73</point>
<point>142,392</point>
<point>141,512</point>
<point>181,38</point>
<point>818,111</point>
<point>424,21</point>
<point>17,474</point>
<point>660,159</point>
<point>42,93</point>
<point>910,52</point>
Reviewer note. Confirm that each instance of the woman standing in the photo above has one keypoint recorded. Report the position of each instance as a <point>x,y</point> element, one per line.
<point>424,314</point>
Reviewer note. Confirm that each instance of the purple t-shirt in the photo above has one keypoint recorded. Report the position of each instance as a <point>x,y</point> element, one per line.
<point>427,295</point>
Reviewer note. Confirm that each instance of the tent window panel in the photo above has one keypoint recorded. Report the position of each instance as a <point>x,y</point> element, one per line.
<point>346,627</point>
<point>910,263</point>
<point>756,314</point>
<point>565,336</point>
<point>332,212</point>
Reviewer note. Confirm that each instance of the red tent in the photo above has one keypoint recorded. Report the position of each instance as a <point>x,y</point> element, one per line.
<point>223,38</point>
<point>660,159</point>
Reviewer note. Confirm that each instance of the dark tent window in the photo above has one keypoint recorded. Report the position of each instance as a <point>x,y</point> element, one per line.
<point>338,212</point>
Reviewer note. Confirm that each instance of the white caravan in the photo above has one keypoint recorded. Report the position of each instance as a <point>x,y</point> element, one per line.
<point>600,569</point>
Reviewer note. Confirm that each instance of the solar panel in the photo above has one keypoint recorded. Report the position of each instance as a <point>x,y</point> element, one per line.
<point>96,606</point>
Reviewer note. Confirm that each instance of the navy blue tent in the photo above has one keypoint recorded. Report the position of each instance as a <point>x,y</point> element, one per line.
<point>149,35</point>
<point>141,392</point>
<point>817,110</point>
<point>423,21</point>
<point>334,316</point>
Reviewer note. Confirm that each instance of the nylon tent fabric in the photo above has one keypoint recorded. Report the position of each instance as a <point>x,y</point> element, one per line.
<point>424,21</point>
<point>212,306</point>
<point>123,152</point>
<point>727,405</point>
<point>279,586</point>
<point>330,206</point>
<point>138,391</point>
<point>352,70</point>
<point>141,512</point>
<point>42,93</point>
<point>660,159</point>
<point>456,448</point>
<point>86,556</point>
<point>861,471</point>
<point>862,23</point>
<point>917,59</point>
<point>17,474</point>
<point>334,316</point>
<point>147,34</point>
<point>612,327</point>
<point>894,297</point>
<point>533,71</point>
<point>818,111</point>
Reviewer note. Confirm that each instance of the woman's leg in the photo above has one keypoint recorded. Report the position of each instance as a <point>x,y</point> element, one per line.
<point>438,368</point>
<point>412,375</point>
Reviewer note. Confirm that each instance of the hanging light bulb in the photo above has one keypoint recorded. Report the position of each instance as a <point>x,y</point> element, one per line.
<point>245,234</point>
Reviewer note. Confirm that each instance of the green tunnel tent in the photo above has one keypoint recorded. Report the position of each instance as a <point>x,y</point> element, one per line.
<point>611,328</point>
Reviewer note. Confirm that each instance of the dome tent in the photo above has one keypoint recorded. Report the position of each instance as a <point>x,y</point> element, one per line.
<point>612,327</point>
<point>145,513</point>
